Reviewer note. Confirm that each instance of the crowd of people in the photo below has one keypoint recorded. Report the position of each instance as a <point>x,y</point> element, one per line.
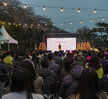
<point>54,75</point>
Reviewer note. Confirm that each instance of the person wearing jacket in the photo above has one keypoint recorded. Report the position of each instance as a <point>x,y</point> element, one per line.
<point>21,86</point>
<point>37,80</point>
<point>96,65</point>
<point>89,86</point>
<point>49,77</point>
<point>70,82</point>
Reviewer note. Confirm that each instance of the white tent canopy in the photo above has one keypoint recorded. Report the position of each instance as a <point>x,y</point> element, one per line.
<point>5,37</point>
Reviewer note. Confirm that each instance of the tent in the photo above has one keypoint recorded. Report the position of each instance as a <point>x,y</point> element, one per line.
<point>6,38</point>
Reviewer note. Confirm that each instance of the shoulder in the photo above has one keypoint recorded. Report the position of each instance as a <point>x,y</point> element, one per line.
<point>102,95</point>
<point>77,96</point>
<point>37,96</point>
<point>38,79</point>
<point>8,96</point>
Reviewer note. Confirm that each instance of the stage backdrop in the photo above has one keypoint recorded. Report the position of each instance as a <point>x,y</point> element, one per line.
<point>66,44</point>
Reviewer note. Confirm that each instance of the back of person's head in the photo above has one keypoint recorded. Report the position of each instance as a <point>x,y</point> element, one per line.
<point>55,53</point>
<point>101,55</point>
<point>88,84</point>
<point>67,64</point>
<point>50,56</point>
<point>44,63</point>
<point>29,66</point>
<point>94,62</point>
<point>21,80</point>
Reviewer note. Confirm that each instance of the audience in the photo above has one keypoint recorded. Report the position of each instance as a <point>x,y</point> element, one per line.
<point>88,87</point>
<point>21,86</point>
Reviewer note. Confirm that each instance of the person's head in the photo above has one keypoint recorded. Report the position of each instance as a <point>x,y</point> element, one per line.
<point>44,63</point>
<point>50,56</point>
<point>67,64</point>
<point>94,62</point>
<point>88,84</point>
<point>29,66</point>
<point>55,53</point>
<point>21,80</point>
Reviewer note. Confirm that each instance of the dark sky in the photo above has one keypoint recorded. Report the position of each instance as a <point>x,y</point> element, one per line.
<point>73,16</point>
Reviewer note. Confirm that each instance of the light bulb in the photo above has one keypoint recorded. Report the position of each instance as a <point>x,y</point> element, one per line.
<point>25,6</point>
<point>70,22</point>
<point>81,22</point>
<point>78,10</point>
<point>5,4</point>
<point>44,8</point>
<point>91,20</point>
<point>94,11</point>
<point>61,9</point>
<point>103,19</point>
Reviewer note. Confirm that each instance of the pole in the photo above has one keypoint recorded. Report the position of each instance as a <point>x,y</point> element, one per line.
<point>8,46</point>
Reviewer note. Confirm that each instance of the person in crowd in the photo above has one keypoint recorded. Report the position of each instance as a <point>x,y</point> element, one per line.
<point>80,59</point>
<point>38,81</point>
<point>95,64</point>
<point>88,87</point>
<point>53,66</point>
<point>67,67</point>
<point>4,77</point>
<point>21,86</point>
<point>49,78</point>
<point>57,58</point>
<point>102,58</point>
<point>104,80</point>
<point>9,60</point>
<point>70,82</point>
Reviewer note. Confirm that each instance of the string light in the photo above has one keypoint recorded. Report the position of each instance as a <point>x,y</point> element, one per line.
<point>31,25</point>
<point>61,9</point>
<point>103,19</point>
<point>19,24</point>
<point>62,24</point>
<point>44,8</point>
<point>53,24</point>
<point>45,24</point>
<point>91,20</point>
<point>78,10</point>
<point>5,4</point>
<point>25,6</point>
<point>38,25</point>
<point>70,22</point>
<point>81,22</point>
<point>9,23</point>
<point>94,11</point>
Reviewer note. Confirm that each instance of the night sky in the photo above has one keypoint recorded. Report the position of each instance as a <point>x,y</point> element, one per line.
<point>69,15</point>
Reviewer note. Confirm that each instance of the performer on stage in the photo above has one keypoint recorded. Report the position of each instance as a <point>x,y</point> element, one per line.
<point>59,47</point>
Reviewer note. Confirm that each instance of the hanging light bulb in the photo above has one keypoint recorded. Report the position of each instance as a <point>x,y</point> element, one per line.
<point>44,8</point>
<point>91,20</point>
<point>19,24</point>
<point>31,25</point>
<point>103,19</point>
<point>45,24</point>
<point>78,10</point>
<point>61,9</point>
<point>61,23</point>
<point>38,25</point>
<point>25,6</point>
<point>81,22</point>
<point>70,23</point>
<point>53,24</point>
<point>94,11</point>
<point>5,4</point>
<point>9,23</point>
